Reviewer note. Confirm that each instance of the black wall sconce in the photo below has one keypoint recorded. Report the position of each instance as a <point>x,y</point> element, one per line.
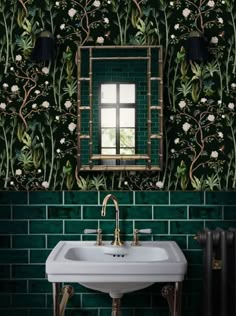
<point>45,48</point>
<point>196,47</point>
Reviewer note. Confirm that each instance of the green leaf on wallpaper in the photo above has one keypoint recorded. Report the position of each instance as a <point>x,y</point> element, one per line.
<point>198,184</point>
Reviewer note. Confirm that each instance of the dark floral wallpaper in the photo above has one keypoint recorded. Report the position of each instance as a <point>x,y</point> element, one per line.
<point>38,101</point>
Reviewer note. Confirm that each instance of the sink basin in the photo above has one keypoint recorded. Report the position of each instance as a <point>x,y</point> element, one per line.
<point>113,269</point>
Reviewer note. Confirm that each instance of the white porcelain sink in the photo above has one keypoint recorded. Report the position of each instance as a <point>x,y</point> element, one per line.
<point>113,269</point>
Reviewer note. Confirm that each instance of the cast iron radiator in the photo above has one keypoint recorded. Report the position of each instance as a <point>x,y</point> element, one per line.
<point>219,271</point>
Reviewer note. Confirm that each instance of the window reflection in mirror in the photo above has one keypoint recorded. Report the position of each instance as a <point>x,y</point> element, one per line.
<point>117,113</point>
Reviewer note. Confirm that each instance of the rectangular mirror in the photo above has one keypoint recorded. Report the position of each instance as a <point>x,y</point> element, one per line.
<point>120,108</point>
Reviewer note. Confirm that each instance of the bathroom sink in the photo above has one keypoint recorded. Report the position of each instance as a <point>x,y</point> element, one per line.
<point>116,269</point>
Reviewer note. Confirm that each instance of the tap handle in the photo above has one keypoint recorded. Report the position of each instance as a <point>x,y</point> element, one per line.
<point>145,231</point>
<point>90,231</point>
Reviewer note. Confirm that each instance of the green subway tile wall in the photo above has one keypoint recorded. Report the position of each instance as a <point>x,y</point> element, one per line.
<point>33,222</point>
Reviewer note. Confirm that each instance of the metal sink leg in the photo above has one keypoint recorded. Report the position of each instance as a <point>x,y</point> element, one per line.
<point>173,295</point>
<point>67,292</point>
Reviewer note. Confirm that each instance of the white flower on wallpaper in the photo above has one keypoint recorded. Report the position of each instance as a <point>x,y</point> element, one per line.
<point>62,140</point>
<point>211,117</point>
<point>159,184</point>
<point>3,106</point>
<point>231,105</point>
<point>182,104</point>
<point>100,40</point>
<point>203,100</point>
<point>177,141</point>
<point>45,184</point>
<point>220,20</point>
<point>214,154</point>
<point>214,40</point>
<point>72,12</point>
<point>97,3</point>
<point>72,126</point>
<point>106,20</point>
<point>45,104</point>
<point>68,104</point>
<point>18,58</point>
<point>45,70</point>
<point>176,26</point>
<point>34,106</point>
<point>186,12</point>
<point>18,172</point>
<point>221,135</point>
<point>186,126</point>
<point>62,26</point>
<point>14,88</point>
<point>211,4</point>
<point>5,85</point>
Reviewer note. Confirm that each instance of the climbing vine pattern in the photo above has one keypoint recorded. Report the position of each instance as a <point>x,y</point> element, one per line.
<point>38,106</point>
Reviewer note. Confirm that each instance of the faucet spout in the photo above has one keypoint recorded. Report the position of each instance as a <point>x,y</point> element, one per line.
<point>117,241</point>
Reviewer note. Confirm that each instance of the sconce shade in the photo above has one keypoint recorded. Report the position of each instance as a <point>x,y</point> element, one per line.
<point>195,47</point>
<point>44,49</point>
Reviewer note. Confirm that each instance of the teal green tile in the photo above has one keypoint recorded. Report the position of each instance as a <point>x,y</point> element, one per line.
<point>5,211</point>
<point>221,224</point>
<point>221,198</point>
<point>39,256</point>
<point>158,227</point>
<point>13,227</point>
<point>136,300</point>
<point>95,300</point>
<point>192,286</point>
<point>41,311</point>
<point>205,212</point>
<point>180,240</point>
<point>108,227</point>
<point>45,197</point>
<point>94,212</point>
<point>152,197</point>
<point>78,227</point>
<point>12,311</point>
<point>186,227</point>
<point>124,312</point>
<point>28,300</point>
<point>82,312</point>
<point>40,286</point>
<point>193,256</point>
<point>169,212</point>
<point>13,256</point>
<point>46,227</point>
<point>28,241</point>
<point>5,300</point>
<point>195,271</point>
<point>158,301</point>
<point>28,212</point>
<point>52,240</point>
<point>4,271</point>
<point>28,271</point>
<point>64,212</point>
<point>123,197</point>
<point>5,241</point>
<point>81,197</point>
<point>230,212</point>
<point>186,197</point>
<point>152,312</point>
<point>13,286</point>
<point>13,197</point>
<point>136,212</point>
<point>193,243</point>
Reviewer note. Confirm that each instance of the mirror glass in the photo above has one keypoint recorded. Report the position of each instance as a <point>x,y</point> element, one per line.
<point>120,108</point>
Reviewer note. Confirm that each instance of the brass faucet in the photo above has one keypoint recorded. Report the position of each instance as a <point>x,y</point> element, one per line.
<point>117,241</point>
